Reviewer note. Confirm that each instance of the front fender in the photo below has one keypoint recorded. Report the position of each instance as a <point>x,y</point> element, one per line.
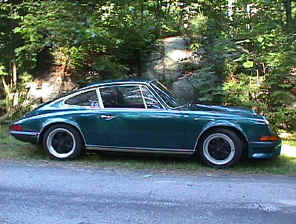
<point>221,123</point>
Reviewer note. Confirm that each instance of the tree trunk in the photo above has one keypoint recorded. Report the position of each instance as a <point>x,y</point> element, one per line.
<point>7,94</point>
<point>14,74</point>
<point>6,87</point>
<point>142,11</point>
<point>3,118</point>
<point>288,9</point>
<point>230,9</point>
<point>12,98</point>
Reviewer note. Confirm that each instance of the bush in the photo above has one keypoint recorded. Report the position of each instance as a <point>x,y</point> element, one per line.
<point>283,118</point>
<point>207,86</point>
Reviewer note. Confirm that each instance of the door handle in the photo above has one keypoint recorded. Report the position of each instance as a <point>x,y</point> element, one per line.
<point>107,117</point>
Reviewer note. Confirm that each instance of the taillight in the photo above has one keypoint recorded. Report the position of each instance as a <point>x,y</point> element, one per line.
<point>17,127</point>
<point>269,138</point>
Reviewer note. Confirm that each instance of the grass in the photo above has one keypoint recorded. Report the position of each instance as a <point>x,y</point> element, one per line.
<point>11,149</point>
<point>290,142</point>
<point>289,138</point>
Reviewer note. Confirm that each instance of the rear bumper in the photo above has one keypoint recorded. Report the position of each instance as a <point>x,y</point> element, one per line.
<point>264,150</point>
<point>31,137</point>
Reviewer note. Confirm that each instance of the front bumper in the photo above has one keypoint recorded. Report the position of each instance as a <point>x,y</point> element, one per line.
<point>264,150</point>
<point>24,136</point>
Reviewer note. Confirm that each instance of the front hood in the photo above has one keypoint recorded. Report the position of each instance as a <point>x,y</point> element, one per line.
<point>223,109</point>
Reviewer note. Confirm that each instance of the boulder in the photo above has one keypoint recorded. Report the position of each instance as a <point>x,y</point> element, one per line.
<point>174,63</point>
<point>184,90</point>
<point>50,85</point>
<point>167,61</point>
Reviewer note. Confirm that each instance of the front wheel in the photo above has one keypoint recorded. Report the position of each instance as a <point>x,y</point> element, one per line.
<point>62,142</point>
<point>221,148</point>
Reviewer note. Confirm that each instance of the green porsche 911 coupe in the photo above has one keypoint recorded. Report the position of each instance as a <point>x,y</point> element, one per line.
<point>143,116</point>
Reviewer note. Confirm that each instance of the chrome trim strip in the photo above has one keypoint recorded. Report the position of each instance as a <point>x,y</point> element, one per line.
<point>25,133</point>
<point>140,85</point>
<point>92,111</point>
<point>102,85</point>
<point>60,113</point>
<point>100,98</point>
<point>112,85</point>
<point>114,82</point>
<point>145,104</point>
<point>140,150</point>
<point>266,142</point>
<point>147,87</point>
<point>157,96</point>
<point>62,99</point>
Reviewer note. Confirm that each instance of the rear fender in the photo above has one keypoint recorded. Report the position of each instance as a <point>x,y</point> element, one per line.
<point>54,121</point>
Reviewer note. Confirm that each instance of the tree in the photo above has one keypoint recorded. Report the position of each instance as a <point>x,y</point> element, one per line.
<point>9,42</point>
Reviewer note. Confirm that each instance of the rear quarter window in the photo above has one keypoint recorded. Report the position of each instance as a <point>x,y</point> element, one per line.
<point>87,99</point>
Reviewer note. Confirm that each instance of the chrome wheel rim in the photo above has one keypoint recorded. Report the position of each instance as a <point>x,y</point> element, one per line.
<point>218,149</point>
<point>61,143</point>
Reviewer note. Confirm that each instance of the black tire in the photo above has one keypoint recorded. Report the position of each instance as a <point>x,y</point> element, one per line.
<point>62,142</point>
<point>220,148</point>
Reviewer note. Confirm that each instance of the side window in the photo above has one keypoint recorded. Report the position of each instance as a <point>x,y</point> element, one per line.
<point>122,97</point>
<point>89,98</point>
<point>151,101</point>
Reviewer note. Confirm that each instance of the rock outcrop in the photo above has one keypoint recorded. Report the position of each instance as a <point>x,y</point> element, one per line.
<point>51,84</point>
<point>169,63</point>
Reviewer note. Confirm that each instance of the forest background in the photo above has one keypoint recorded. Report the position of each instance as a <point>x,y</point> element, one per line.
<point>250,46</point>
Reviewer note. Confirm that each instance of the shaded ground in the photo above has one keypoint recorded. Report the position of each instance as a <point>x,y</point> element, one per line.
<point>39,192</point>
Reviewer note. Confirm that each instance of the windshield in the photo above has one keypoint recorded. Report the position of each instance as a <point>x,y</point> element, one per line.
<point>168,97</point>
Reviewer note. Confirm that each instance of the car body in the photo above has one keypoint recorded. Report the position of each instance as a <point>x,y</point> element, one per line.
<point>143,116</point>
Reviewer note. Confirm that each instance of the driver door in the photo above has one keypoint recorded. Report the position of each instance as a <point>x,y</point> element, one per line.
<point>133,118</point>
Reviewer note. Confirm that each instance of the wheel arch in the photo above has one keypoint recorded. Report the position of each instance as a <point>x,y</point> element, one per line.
<point>231,127</point>
<point>50,124</point>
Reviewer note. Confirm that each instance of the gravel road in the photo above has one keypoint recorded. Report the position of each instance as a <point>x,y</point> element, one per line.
<point>61,193</point>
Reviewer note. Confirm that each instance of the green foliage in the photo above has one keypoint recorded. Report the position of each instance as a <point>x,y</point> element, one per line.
<point>207,86</point>
<point>239,90</point>
<point>2,71</point>
<point>79,35</point>
<point>199,25</point>
<point>248,64</point>
<point>73,56</point>
<point>261,74</point>
<point>283,118</point>
<point>282,98</point>
<point>9,41</point>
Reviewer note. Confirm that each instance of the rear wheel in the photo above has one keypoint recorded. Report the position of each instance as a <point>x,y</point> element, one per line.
<point>220,148</point>
<point>63,142</point>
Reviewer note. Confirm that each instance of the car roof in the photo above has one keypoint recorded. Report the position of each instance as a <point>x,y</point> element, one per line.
<point>119,81</point>
<point>101,83</point>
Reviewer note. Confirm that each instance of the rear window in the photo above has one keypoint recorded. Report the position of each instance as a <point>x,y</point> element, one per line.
<point>88,98</point>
